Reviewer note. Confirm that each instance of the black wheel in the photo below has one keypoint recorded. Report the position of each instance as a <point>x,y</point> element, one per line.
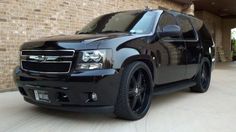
<point>135,92</point>
<point>203,78</point>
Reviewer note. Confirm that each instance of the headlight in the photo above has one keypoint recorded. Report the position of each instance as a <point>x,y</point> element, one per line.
<point>94,59</point>
<point>93,55</point>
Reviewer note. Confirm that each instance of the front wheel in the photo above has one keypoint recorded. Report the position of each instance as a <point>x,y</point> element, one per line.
<point>135,92</point>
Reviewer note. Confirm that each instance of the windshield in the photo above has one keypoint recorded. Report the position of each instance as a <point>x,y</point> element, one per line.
<point>135,22</point>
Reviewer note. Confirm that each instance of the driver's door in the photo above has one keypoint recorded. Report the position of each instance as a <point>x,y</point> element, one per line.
<point>170,53</point>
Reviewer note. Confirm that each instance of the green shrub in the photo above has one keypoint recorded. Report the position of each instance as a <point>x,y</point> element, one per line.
<point>233,42</point>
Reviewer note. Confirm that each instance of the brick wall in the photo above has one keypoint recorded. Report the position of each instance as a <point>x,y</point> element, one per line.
<point>23,20</point>
<point>227,25</point>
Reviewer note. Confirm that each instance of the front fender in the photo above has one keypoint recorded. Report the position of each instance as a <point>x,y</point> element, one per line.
<point>143,58</point>
<point>123,54</point>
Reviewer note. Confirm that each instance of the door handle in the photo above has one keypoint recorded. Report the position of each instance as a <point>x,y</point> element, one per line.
<point>199,47</point>
<point>181,48</point>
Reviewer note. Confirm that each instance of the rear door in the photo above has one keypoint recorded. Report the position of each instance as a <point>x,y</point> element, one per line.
<point>193,46</point>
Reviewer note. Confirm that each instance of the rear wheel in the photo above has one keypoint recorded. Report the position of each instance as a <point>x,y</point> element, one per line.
<point>203,78</point>
<point>135,92</point>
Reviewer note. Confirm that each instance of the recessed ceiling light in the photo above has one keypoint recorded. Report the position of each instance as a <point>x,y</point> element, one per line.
<point>213,3</point>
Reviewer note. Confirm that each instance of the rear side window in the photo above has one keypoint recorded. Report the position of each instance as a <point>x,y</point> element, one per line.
<point>204,33</point>
<point>186,27</point>
<point>201,29</point>
<point>197,24</point>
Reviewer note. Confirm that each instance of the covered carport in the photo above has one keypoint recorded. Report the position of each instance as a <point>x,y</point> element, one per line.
<point>220,18</point>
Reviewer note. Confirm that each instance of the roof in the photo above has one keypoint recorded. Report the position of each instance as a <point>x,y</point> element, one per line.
<point>222,8</point>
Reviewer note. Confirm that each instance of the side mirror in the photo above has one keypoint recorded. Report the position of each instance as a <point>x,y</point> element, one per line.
<point>170,31</point>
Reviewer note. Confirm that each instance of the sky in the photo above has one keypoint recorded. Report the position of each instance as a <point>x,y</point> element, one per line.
<point>233,33</point>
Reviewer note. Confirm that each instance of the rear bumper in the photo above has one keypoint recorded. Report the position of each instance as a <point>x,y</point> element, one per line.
<point>213,64</point>
<point>76,86</point>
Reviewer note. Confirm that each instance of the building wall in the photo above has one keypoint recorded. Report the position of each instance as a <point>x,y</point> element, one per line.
<point>23,20</point>
<point>220,29</point>
<point>227,25</point>
<point>189,9</point>
<point>214,25</point>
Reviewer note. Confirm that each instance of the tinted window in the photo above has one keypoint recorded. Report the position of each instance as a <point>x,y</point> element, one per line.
<point>186,27</point>
<point>197,24</point>
<point>166,19</point>
<point>137,22</point>
<point>204,33</point>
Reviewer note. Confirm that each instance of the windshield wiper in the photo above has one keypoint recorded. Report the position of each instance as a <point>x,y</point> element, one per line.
<point>82,33</point>
<point>108,31</point>
<point>133,32</point>
<point>113,31</point>
<point>87,33</point>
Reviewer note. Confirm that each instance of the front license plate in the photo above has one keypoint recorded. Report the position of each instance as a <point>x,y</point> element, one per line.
<point>41,95</point>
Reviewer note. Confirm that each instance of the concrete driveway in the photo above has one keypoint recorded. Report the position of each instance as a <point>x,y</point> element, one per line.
<point>214,111</point>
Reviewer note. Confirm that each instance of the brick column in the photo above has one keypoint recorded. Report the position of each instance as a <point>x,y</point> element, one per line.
<point>188,9</point>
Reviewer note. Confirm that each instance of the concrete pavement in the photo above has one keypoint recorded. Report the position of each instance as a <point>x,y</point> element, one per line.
<point>214,111</point>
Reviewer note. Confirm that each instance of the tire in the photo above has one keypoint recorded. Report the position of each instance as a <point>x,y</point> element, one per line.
<point>135,92</point>
<point>203,77</point>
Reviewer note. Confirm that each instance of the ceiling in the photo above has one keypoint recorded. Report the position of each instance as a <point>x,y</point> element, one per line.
<point>223,8</point>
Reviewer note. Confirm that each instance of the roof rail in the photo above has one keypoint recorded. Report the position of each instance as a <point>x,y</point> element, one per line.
<point>181,12</point>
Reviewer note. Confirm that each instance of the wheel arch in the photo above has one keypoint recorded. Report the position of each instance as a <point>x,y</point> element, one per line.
<point>209,58</point>
<point>143,58</point>
<point>202,57</point>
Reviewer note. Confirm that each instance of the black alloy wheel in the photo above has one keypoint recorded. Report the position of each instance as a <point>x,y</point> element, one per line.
<point>135,92</point>
<point>138,91</point>
<point>203,78</point>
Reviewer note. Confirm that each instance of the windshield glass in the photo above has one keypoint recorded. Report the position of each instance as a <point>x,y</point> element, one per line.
<point>136,22</point>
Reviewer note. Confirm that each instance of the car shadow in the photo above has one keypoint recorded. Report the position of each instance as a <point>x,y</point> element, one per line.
<point>157,102</point>
<point>166,99</point>
<point>73,115</point>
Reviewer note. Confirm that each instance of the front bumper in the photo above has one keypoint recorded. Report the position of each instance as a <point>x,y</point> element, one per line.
<point>76,86</point>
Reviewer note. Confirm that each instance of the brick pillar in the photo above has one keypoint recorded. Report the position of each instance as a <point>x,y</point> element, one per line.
<point>188,9</point>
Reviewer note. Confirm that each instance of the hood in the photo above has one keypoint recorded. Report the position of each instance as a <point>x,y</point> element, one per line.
<point>78,38</point>
<point>76,42</point>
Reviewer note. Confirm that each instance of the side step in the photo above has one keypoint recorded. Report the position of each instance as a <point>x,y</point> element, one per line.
<point>173,87</point>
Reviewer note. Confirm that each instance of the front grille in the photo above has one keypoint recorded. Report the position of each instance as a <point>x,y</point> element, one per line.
<point>48,53</point>
<point>47,61</point>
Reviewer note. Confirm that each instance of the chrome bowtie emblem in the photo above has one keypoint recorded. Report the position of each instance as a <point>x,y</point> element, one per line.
<point>39,58</point>
<point>42,58</point>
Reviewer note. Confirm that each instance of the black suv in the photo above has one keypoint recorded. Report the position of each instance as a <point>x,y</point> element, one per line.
<point>117,63</point>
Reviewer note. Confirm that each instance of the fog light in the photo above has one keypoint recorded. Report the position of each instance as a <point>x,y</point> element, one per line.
<point>62,97</point>
<point>94,97</point>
